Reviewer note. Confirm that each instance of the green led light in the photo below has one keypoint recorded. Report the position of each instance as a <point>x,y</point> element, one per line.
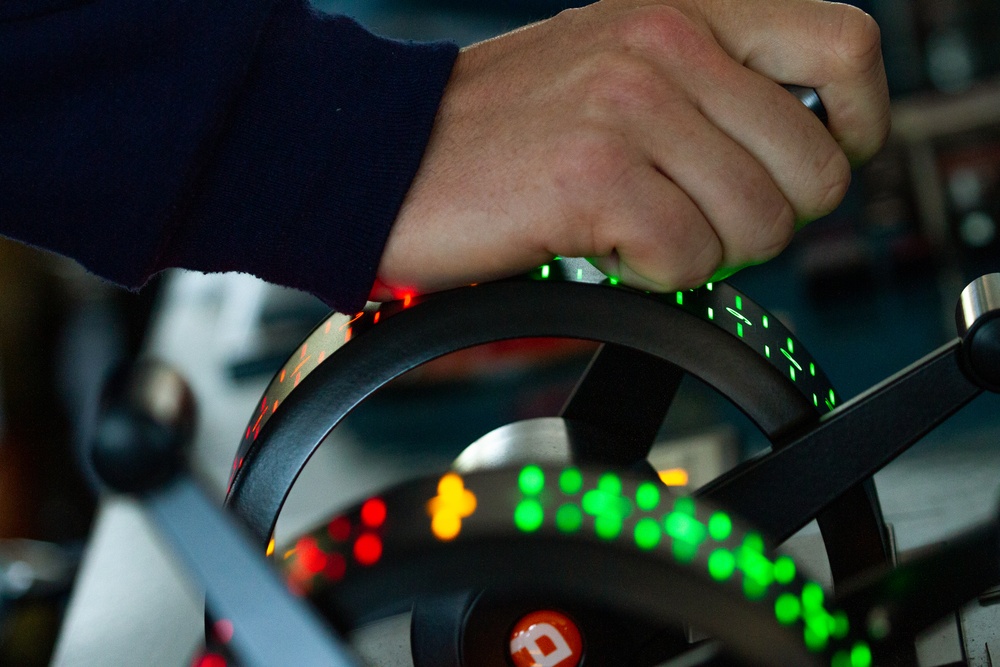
<point>545,271</point>
<point>739,329</point>
<point>720,526</point>
<point>711,313</point>
<point>812,369</point>
<point>784,570</point>
<point>685,552</point>
<point>754,542</point>
<point>791,359</point>
<point>721,564</point>
<point>841,626</point>
<point>608,526</point>
<point>739,303</point>
<point>684,505</point>
<point>680,298</point>
<point>812,596</point>
<point>647,496</point>
<point>791,372</point>
<point>767,351</point>
<point>570,481</point>
<point>753,590</point>
<point>528,515</point>
<point>579,274</point>
<point>814,641</point>
<point>709,286</point>
<point>764,321</point>
<point>531,480</point>
<point>614,280</point>
<point>833,399</point>
<point>815,400</point>
<point>841,659</point>
<point>861,655</point>
<point>791,345</point>
<point>569,518</point>
<point>647,533</point>
<point>610,483</point>
<point>683,528</point>
<point>787,609</point>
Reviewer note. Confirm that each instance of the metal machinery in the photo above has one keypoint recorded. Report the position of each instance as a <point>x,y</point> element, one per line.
<point>563,515</point>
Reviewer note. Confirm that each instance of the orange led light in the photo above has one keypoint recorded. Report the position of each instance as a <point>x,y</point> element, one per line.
<point>270,547</point>
<point>674,477</point>
<point>452,504</point>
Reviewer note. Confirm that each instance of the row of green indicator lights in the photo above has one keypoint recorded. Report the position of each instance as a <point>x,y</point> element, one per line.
<point>610,508</point>
<point>795,368</point>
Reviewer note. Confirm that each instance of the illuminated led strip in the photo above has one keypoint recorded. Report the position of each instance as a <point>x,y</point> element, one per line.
<point>719,304</point>
<point>606,507</point>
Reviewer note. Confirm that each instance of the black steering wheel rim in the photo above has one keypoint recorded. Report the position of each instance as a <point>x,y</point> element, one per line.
<point>429,327</point>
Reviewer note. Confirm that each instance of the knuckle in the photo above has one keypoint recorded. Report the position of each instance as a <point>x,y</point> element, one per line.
<point>831,184</point>
<point>857,42</point>
<point>664,29</point>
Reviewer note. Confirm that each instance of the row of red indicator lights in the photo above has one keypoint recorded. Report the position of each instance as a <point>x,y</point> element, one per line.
<point>308,559</point>
<point>253,430</point>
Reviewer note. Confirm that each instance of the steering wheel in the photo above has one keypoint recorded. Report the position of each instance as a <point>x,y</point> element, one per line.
<point>589,539</point>
<point>650,341</point>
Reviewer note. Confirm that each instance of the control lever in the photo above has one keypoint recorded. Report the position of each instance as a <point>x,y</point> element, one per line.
<point>145,421</point>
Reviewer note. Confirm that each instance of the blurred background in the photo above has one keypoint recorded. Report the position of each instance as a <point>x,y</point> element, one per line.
<point>869,289</point>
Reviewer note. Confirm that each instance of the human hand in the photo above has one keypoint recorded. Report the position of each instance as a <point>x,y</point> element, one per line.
<point>649,135</point>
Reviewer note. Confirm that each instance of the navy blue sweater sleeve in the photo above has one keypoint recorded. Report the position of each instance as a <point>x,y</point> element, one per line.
<point>255,136</point>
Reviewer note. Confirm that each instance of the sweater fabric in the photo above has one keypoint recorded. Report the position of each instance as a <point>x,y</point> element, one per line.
<point>257,136</point>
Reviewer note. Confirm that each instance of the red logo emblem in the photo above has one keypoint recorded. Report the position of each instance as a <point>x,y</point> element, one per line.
<point>546,639</point>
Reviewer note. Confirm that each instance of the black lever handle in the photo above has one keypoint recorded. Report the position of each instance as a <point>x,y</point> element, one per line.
<point>146,419</point>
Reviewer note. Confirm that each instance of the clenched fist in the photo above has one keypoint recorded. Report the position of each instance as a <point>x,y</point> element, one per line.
<point>652,136</point>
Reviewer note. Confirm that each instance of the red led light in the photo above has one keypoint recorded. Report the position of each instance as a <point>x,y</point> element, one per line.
<point>347,334</point>
<point>310,556</point>
<point>373,512</point>
<point>368,549</point>
<point>281,378</point>
<point>407,300</point>
<point>336,566</point>
<point>377,316</point>
<point>223,630</point>
<point>339,529</point>
<point>210,660</point>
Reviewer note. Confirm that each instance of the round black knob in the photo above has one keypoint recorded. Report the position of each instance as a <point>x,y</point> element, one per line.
<point>145,421</point>
<point>978,320</point>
